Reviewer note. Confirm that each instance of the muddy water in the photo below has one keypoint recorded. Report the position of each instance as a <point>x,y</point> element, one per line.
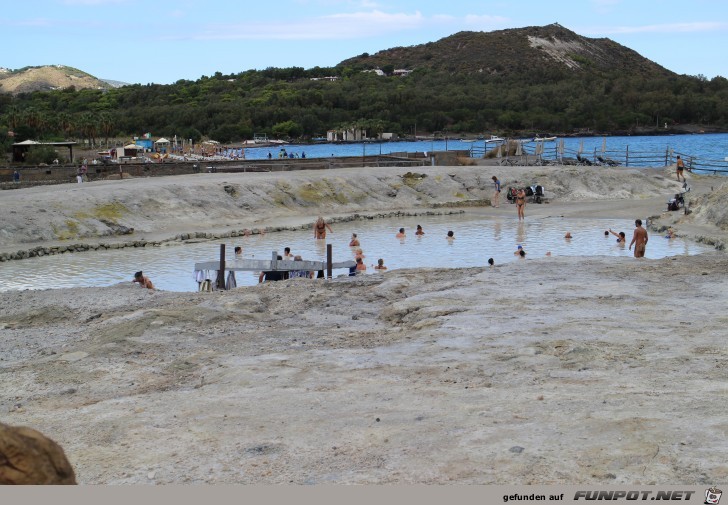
<point>475,240</point>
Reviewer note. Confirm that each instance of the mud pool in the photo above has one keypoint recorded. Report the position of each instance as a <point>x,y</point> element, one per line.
<point>171,265</point>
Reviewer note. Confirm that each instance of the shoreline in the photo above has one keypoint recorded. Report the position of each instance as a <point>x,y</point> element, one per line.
<point>162,208</point>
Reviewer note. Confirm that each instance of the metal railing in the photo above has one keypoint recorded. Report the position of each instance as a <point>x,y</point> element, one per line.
<point>556,155</point>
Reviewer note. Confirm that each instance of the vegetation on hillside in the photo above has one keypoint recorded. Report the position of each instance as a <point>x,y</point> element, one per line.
<point>528,80</point>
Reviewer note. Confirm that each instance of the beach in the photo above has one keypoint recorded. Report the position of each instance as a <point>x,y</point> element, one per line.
<point>551,370</point>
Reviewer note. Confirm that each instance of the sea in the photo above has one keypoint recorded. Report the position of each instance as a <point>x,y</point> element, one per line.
<point>707,151</point>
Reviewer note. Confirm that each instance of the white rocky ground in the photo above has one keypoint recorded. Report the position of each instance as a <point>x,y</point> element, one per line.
<point>543,371</point>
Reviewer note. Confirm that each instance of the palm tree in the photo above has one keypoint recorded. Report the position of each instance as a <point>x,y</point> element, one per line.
<point>88,126</point>
<point>64,122</point>
<point>14,116</point>
<point>106,122</point>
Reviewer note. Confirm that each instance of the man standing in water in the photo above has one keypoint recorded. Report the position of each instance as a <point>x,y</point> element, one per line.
<point>639,240</point>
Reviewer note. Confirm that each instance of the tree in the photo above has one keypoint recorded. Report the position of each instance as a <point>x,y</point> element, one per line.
<point>88,125</point>
<point>106,123</point>
<point>64,123</point>
<point>288,129</point>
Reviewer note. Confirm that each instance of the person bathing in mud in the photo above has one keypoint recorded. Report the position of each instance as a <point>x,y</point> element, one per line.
<point>380,265</point>
<point>319,228</point>
<point>143,280</point>
<point>621,237</point>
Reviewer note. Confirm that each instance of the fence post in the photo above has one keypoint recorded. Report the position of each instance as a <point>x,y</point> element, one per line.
<point>626,157</point>
<point>329,256</point>
<point>221,272</point>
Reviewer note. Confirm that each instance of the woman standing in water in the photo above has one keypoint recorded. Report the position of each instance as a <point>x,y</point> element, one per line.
<point>319,228</point>
<point>521,203</point>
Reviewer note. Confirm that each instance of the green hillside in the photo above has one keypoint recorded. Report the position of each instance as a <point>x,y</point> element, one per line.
<point>520,81</point>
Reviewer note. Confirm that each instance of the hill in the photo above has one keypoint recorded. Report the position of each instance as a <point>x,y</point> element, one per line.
<point>47,78</point>
<point>516,82</point>
<point>516,51</point>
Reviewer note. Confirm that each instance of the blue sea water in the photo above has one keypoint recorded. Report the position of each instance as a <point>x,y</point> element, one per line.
<point>701,147</point>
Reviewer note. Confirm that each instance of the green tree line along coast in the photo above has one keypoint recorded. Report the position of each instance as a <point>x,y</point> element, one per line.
<point>288,103</point>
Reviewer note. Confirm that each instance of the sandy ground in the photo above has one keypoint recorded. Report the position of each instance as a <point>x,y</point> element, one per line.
<point>542,371</point>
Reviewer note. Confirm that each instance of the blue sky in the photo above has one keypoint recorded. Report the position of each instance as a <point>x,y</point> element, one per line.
<point>163,41</point>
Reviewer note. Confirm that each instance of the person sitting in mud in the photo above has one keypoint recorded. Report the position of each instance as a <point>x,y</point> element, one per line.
<point>273,275</point>
<point>400,234</point>
<point>519,251</point>
<point>419,231</point>
<point>303,274</point>
<point>143,280</point>
<point>354,241</point>
<point>568,235</point>
<point>670,233</point>
<point>319,228</point>
<point>621,237</point>
<point>359,254</point>
<point>238,252</point>
<point>380,265</point>
<point>450,235</point>
<point>360,266</point>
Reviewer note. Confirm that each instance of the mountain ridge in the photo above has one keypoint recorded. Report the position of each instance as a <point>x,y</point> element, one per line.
<point>48,78</point>
<point>550,48</point>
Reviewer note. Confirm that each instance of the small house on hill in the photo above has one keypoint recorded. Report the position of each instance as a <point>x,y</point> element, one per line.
<point>347,135</point>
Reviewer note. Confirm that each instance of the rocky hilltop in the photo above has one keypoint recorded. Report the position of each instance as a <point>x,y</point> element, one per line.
<point>550,49</point>
<point>47,78</point>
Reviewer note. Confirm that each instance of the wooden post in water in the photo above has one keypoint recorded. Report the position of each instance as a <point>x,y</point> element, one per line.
<point>221,271</point>
<point>626,157</point>
<point>329,261</point>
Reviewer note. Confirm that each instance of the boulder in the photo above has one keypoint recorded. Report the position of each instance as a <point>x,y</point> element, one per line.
<point>28,457</point>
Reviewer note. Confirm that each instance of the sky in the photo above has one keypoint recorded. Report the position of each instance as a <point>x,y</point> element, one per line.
<point>162,41</point>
